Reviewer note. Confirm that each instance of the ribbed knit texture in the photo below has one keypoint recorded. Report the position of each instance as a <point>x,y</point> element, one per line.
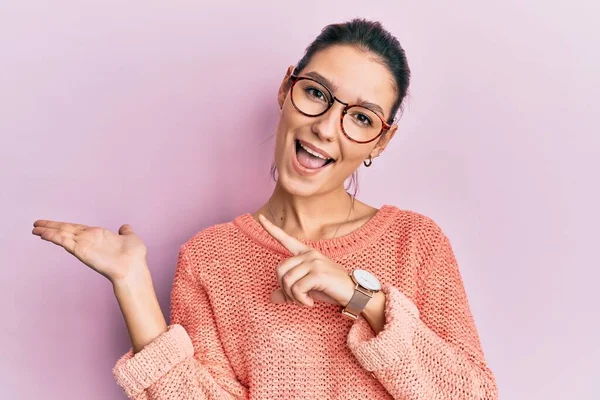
<point>227,340</point>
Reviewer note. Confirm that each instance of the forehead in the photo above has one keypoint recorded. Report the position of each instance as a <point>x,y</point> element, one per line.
<point>356,74</point>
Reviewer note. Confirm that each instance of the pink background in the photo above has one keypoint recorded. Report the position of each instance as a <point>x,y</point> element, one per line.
<point>161,115</point>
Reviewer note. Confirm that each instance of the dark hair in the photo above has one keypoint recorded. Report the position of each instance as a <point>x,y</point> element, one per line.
<point>371,37</point>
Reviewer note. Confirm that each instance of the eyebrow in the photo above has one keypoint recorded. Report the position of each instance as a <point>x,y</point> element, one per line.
<point>326,82</point>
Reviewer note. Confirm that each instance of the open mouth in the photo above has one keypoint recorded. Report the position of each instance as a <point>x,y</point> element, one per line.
<point>308,159</point>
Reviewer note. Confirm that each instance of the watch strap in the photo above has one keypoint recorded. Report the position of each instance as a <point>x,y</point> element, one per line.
<point>358,302</point>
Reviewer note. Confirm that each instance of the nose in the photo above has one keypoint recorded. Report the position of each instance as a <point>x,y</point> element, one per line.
<point>328,125</point>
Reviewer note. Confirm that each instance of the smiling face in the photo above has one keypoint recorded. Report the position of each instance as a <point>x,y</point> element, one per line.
<point>353,76</point>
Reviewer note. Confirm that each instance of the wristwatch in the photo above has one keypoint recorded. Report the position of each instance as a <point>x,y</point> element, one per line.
<point>366,285</point>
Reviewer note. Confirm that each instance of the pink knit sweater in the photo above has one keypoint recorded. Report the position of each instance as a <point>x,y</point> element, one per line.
<point>227,340</point>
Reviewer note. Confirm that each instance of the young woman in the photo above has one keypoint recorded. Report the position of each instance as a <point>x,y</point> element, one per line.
<point>316,295</point>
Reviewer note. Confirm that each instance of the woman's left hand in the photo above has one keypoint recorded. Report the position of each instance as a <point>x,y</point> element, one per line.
<point>308,275</point>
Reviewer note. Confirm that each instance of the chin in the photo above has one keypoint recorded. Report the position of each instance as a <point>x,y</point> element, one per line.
<point>294,186</point>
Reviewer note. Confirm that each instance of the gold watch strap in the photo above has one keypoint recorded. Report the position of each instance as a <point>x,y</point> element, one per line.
<point>357,303</point>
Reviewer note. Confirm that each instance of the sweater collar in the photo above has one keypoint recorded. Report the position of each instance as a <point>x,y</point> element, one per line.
<point>365,235</point>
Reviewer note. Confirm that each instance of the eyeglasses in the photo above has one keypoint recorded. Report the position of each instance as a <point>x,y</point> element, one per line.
<point>359,123</point>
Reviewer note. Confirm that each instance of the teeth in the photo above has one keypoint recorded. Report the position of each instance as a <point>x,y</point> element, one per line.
<point>314,153</point>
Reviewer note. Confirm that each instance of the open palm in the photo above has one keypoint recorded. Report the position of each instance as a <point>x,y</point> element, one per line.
<point>110,254</point>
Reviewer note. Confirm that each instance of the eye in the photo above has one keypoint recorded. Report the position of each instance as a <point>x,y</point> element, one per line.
<point>363,119</point>
<point>316,93</point>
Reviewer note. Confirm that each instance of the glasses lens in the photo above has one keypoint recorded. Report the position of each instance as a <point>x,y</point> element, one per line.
<point>361,124</point>
<point>310,97</point>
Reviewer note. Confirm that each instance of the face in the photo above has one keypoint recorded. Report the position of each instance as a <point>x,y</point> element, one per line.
<point>356,77</point>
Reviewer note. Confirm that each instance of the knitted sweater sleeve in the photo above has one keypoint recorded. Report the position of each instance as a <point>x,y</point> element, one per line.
<point>431,349</point>
<point>188,360</point>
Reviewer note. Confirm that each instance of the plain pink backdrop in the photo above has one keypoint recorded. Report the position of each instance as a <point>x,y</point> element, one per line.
<point>161,115</point>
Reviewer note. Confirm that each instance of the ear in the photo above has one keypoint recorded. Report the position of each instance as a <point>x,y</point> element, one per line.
<point>285,86</point>
<point>383,142</point>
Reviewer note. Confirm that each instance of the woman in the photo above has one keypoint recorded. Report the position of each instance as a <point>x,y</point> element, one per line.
<point>316,295</point>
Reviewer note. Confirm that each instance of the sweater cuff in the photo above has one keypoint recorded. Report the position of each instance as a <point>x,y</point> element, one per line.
<point>136,372</point>
<point>379,352</point>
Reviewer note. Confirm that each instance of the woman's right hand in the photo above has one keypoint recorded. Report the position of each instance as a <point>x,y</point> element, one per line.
<point>115,256</point>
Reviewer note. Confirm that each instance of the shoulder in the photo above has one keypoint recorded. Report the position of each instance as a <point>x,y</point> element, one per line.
<point>417,223</point>
<point>423,238</point>
<point>421,233</point>
<point>210,240</point>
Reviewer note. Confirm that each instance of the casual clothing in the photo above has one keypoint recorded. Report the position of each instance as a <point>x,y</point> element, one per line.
<point>227,340</point>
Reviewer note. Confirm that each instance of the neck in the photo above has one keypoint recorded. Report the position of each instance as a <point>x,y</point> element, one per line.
<point>309,217</point>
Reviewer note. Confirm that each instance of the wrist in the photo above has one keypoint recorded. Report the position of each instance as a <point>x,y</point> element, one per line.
<point>136,291</point>
<point>374,312</point>
<point>374,305</point>
<point>135,280</point>
<point>349,292</point>
<point>140,308</point>
<point>374,308</point>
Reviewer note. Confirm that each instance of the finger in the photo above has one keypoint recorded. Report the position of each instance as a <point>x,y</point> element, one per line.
<point>59,237</point>
<point>317,295</point>
<point>66,226</point>
<point>278,297</point>
<point>70,230</point>
<point>290,243</point>
<point>284,267</point>
<point>291,277</point>
<point>304,285</point>
<point>126,230</point>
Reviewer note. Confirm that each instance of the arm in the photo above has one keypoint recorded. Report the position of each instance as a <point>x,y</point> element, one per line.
<point>187,361</point>
<point>431,349</point>
<point>140,308</point>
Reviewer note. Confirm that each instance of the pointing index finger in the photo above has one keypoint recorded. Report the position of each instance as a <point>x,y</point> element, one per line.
<point>290,243</point>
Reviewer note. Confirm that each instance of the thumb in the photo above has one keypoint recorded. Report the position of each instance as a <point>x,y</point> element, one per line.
<point>278,297</point>
<point>126,230</point>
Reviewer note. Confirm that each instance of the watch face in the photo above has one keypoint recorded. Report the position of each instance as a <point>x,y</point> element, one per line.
<point>366,279</point>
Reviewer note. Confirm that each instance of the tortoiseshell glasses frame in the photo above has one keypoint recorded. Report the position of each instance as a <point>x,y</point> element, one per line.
<point>331,99</point>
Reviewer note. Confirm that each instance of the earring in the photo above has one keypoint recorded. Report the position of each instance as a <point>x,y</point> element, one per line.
<point>370,162</point>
